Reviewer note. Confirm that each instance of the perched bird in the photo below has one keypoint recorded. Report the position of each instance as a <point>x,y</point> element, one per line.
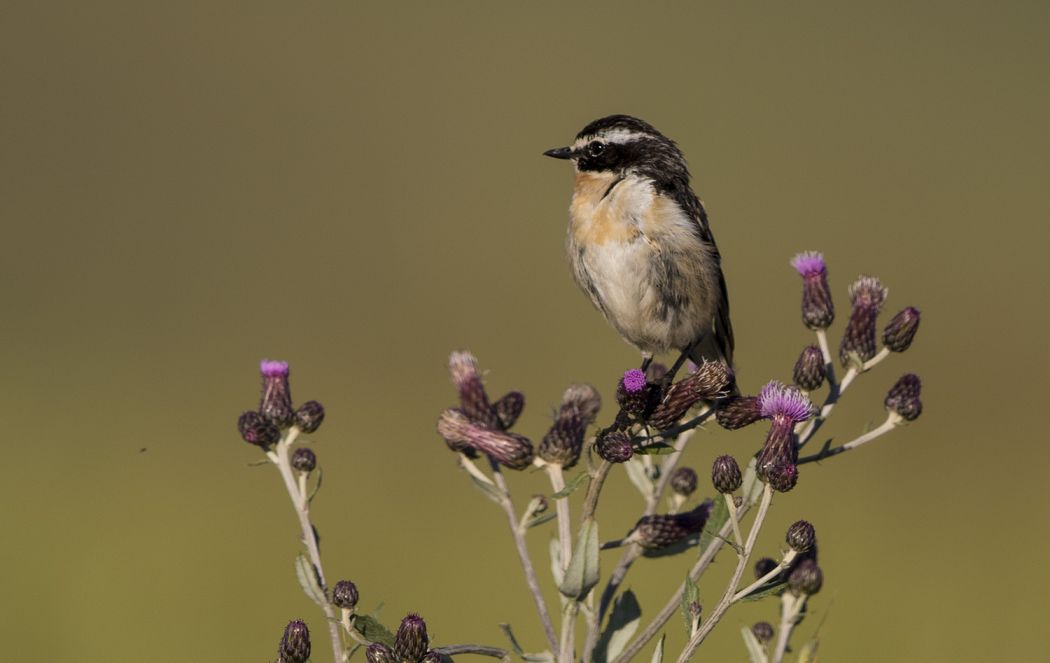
<point>640,244</point>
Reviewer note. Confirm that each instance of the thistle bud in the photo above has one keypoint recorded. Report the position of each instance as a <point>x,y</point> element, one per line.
<point>436,657</point>
<point>818,312</point>
<point>785,407</point>
<point>309,416</point>
<point>735,413</point>
<point>899,334</point>
<point>763,632</point>
<point>344,595</point>
<point>709,382</point>
<point>764,566</point>
<point>585,399</point>
<point>801,536</point>
<point>304,460</point>
<point>660,531</point>
<point>632,392</point>
<point>614,446</point>
<point>683,481</point>
<point>903,397</point>
<point>295,643</point>
<point>806,578</point>
<point>463,367</point>
<point>564,440</point>
<point>725,474</point>
<point>256,429</point>
<point>510,449</point>
<point>509,407</point>
<point>411,642</point>
<point>809,370</point>
<point>276,401</point>
<point>377,652</point>
<point>867,295</point>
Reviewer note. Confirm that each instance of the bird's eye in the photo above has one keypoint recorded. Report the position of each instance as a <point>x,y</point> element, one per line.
<point>595,148</point>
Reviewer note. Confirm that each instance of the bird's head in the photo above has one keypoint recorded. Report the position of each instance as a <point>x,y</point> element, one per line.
<point>621,143</point>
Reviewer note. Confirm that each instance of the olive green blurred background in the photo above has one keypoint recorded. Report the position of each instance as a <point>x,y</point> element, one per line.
<point>358,189</point>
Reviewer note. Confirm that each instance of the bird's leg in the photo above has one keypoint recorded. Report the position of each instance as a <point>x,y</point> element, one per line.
<point>647,358</point>
<point>680,362</point>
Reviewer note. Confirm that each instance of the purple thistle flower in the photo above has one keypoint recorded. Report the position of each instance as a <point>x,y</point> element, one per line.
<point>276,401</point>
<point>867,294</point>
<point>634,381</point>
<point>510,449</point>
<point>818,311</point>
<point>777,400</point>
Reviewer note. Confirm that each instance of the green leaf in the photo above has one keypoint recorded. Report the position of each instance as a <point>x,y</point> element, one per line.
<point>658,653</point>
<point>766,590</point>
<point>689,596</point>
<point>582,574</point>
<point>309,581</point>
<point>317,487</point>
<point>639,477</point>
<point>539,520</point>
<point>487,488</point>
<point>715,522</point>
<point>623,622</point>
<point>655,449</point>
<point>570,487</point>
<point>373,630</point>
<point>755,650</point>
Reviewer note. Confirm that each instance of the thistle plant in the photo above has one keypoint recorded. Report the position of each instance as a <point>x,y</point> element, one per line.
<point>643,438</point>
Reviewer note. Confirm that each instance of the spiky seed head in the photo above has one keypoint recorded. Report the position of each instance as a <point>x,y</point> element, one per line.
<point>309,416</point>
<point>801,536</point>
<point>411,642</point>
<point>710,381</point>
<point>810,370</point>
<point>585,399</point>
<point>295,643</point>
<point>344,595</point>
<point>725,474</point>
<point>903,397</point>
<point>276,401</point>
<point>258,430</point>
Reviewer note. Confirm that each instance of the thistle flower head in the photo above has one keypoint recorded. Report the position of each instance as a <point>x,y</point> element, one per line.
<point>344,595</point>
<point>295,643</point>
<point>867,291</point>
<point>809,263</point>
<point>806,578</point>
<point>782,478</point>
<point>377,652</point>
<point>585,399</point>
<point>818,311</point>
<point>634,392</point>
<point>509,407</point>
<point>867,294</point>
<point>900,331</point>
<point>436,657</point>
<point>710,382</point>
<point>614,446</point>
<point>659,531</point>
<point>763,632</point>
<point>411,642</point>
<point>683,481</point>
<point>634,381</point>
<point>801,536</point>
<point>725,474</point>
<point>258,430</point>
<point>735,413</point>
<point>276,401</point>
<point>309,416</point>
<point>509,449</point>
<point>463,369</point>
<point>903,397</point>
<point>779,401</point>
<point>304,460</point>
<point>810,371</point>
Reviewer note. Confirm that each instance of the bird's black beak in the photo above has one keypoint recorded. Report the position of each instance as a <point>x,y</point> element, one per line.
<point>559,153</point>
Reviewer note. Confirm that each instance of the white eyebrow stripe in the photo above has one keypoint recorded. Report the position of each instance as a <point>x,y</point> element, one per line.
<point>618,136</point>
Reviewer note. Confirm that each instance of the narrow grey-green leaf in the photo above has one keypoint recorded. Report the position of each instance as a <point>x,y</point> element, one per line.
<point>490,491</point>
<point>689,596</point>
<point>717,519</point>
<point>623,622</point>
<point>373,630</point>
<point>766,590</point>
<point>539,520</point>
<point>639,477</point>
<point>582,574</point>
<point>655,449</point>
<point>507,631</point>
<point>308,580</point>
<point>755,651</point>
<point>317,486</point>
<point>571,487</point>
<point>539,657</point>
<point>658,653</point>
